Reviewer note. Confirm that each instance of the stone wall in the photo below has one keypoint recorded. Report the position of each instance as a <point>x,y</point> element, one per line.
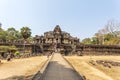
<point>98,49</point>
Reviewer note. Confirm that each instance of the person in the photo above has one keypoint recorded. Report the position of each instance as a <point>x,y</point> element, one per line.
<point>48,55</point>
<point>9,57</point>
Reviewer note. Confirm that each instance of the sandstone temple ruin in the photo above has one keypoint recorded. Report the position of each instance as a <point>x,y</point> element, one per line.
<point>63,42</point>
<point>56,40</point>
<point>60,41</point>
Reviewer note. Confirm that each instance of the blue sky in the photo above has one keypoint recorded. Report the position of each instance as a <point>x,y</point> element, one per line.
<point>81,18</point>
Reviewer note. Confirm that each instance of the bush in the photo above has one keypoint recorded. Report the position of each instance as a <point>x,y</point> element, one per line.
<point>17,53</point>
<point>8,48</point>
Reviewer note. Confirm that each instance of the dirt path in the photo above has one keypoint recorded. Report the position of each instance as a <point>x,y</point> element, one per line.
<point>21,67</point>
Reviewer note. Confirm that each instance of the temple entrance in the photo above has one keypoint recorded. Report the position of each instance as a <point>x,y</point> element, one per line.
<point>57,45</point>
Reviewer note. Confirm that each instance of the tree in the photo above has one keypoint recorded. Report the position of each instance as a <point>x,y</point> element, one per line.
<point>14,34</point>
<point>108,37</point>
<point>112,27</point>
<point>98,39</point>
<point>11,31</point>
<point>3,35</point>
<point>11,34</point>
<point>86,41</point>
<point>95,40</point>
<point>25,32</point>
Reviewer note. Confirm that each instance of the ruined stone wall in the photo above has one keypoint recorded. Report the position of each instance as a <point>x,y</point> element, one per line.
<point>99,49</point>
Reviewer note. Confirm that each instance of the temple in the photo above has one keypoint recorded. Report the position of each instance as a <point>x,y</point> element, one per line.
<point>56,40</point>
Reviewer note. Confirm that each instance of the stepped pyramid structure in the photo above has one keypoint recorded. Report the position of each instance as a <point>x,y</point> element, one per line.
<point>56,40</point>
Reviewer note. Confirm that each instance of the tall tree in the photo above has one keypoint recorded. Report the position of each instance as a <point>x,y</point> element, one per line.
<point>25,32</point>
<point>11,33</point>
<point>112,27</point>
<point>14,34</point>
<point>3,35</point>
<point>100,37</point>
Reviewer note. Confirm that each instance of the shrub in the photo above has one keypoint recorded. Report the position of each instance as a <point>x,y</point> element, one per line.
<point>17,53</point>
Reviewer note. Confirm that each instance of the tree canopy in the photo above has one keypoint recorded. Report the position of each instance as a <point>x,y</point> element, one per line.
<point>108,35</point>
<point>11,34</point>
<point>26,32</point>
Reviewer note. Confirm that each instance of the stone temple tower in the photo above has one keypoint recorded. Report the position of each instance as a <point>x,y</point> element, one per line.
<point>57,34</point>
<point>56,40</point>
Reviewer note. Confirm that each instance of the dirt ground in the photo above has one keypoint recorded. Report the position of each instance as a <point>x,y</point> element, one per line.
<point>21,67</point>
<point>97,71</point>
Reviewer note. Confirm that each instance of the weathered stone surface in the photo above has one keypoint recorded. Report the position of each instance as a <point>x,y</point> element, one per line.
<point>108,63</point>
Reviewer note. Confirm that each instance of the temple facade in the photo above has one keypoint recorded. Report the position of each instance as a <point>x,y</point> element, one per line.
<point>56,40</point>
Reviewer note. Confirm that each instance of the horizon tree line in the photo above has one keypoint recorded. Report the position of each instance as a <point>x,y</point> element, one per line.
<point>12,34</point>
<point>108,35</point>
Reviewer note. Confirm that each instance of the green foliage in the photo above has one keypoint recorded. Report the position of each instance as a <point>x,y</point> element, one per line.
<point>4,48</point>
<point>11,31</point>
<point>108,37</point>
<point>17,53</point>
<point>7,48</point>
<point>30,39</point>
<point>95,40</point>
<point>25,32</point>
<point>113,41</point>
<point>13,34</point>
<point>3,35</point>
<point>10,34</point>
<point>86,41</point>
<point>13,48</point>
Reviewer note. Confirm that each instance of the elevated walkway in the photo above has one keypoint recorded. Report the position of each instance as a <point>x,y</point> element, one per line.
<point>59,69</point>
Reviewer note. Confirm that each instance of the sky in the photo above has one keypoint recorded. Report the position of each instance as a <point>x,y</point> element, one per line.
<point>80,18</point>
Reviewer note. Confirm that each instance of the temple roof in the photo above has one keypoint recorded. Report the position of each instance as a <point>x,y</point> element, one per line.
<point>57,28</point>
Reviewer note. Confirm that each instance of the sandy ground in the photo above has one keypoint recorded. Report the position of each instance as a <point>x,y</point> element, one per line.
<point>21,67</point>
<point>97,71</point>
